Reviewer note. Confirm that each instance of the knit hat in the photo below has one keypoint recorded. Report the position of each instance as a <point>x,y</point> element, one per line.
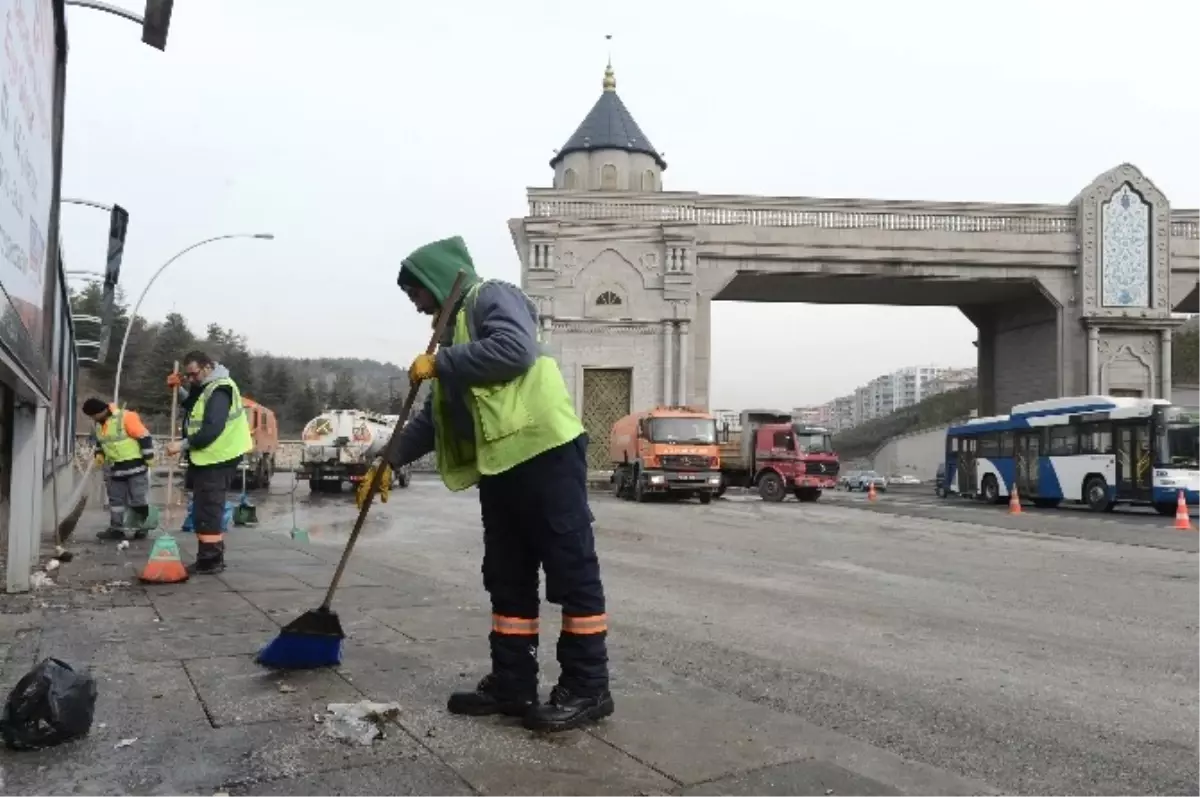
<point>94,406</point>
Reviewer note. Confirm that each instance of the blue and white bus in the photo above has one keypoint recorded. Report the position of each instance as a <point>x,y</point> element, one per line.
<point>1095,450</point>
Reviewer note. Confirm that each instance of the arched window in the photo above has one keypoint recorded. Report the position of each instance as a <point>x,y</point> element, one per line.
<point>607,299</point>
<point>570,180</point>
<point>608,177</point>
<point>648,180</point>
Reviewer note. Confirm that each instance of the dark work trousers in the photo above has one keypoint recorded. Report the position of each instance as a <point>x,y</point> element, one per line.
<point>209,486</point>
<point>537,515</point>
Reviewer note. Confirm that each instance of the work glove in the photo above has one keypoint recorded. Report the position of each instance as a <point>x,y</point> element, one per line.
<point>385,484</point>
<point>174,381</point>
<point>422,368</point>
<point>98,460</point>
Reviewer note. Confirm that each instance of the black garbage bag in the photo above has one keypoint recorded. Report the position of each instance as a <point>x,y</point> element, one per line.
<point>52,704</point>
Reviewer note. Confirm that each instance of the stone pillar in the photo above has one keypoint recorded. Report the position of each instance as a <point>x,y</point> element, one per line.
<point>1165,366</point>
<point>668,343</point>
<point>682,386</point>
<point>547,325</point>
<point>986,367</point>
<point>1093,360</point>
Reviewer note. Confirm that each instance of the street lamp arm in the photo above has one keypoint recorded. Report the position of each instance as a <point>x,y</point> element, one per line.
<point>138,304</point>
<point>89,203</point>
<point>108,8</point>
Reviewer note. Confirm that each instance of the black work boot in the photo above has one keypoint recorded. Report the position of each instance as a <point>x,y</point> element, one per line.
<point>567,710</point>
<point>210,559</point>
<point>488,699</point>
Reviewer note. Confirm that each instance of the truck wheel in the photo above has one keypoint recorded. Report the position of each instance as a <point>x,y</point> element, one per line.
<point>771,487</point>
<point>721,488</point>
<point>706,498</point>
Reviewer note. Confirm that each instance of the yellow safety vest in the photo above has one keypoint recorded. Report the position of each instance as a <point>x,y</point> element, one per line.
<point>115,442</point>
<point>514,421</point>
<point>235,439</point>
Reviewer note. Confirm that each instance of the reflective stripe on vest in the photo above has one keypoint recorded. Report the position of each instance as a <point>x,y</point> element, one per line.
<point>115,442</point>
<point>235,439</point>
<point>514,421</point>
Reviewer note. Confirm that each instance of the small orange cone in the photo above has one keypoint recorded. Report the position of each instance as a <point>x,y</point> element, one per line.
<point>1182,521</point>
<point>1014,502</point>
<point>164,565</point>
<point>871,492</point>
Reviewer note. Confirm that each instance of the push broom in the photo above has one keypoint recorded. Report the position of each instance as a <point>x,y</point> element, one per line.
<point>314,639</point>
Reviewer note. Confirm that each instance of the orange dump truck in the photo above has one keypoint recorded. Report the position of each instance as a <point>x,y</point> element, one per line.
<point>666,451</point>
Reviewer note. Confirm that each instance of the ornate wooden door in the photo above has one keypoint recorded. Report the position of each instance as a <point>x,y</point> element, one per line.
<point>607,397</point>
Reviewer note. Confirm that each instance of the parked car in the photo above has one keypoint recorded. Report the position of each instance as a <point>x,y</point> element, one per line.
<point>905,478</point>
<point>847,478</point>
<point>939,481</point>
<point>864,480</point>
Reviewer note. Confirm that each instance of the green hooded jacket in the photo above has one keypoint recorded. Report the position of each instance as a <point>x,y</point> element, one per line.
<point>435,265</point>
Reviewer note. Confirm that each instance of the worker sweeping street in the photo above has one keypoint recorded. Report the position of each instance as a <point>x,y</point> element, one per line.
<point>125,449</point>
<point>216,436</point>
<point>499,416</point>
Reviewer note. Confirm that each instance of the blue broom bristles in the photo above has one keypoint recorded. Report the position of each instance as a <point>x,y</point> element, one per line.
<point>290,651</point>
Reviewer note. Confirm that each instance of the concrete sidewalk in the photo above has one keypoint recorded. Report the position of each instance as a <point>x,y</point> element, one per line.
<point>175,672</point>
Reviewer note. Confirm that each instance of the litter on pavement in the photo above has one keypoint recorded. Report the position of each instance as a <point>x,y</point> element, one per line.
<point>357,723</point>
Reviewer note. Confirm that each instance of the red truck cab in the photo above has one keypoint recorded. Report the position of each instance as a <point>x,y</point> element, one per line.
<point>776,455</point>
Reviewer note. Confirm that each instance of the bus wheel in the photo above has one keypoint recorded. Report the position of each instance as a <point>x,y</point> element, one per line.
<point>1095,494</point>
<point>990,490</point>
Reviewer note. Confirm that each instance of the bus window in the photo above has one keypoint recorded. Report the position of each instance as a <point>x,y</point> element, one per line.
<point>1064,441</point>
<point>954,444</point>
<point>1006,444</point>
<point>1095,438</point>
<point>989,445</point>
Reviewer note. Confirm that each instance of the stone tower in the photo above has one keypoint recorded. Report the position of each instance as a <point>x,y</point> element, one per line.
<point>608,151</point>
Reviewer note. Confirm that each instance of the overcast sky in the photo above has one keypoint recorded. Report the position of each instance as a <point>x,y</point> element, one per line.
<point>356,137</point>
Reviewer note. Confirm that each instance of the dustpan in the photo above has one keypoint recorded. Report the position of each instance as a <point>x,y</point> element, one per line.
<point>245,513</point>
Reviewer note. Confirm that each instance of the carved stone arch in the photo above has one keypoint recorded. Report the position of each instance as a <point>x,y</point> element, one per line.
<point>1123,357</point>
<point>610,266</point>
<point>1090,206</point>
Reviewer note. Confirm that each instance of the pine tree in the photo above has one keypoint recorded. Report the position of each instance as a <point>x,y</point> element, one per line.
<point>305,406</point>
<point>342,395</point>
<point>171,340</point>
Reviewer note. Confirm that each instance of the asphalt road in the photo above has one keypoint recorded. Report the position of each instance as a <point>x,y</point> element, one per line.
<point>1050,652</point>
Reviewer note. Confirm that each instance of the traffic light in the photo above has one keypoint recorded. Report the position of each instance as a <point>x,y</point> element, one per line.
<point>118,226</point>
<point>155,23</point>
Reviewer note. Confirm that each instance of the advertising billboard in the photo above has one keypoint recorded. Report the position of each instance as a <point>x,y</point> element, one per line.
<point>27,67</point>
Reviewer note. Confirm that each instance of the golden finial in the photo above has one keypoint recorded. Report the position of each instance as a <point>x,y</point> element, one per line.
<point>610,80</point>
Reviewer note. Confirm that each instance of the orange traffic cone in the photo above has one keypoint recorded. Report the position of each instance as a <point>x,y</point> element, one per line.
<point>1182,521</point>
<point>871,492</point>
<point>164,565</point>
<point>1014,502</point>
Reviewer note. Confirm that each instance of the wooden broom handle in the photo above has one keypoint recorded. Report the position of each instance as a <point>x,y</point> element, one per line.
<point>439,328</point>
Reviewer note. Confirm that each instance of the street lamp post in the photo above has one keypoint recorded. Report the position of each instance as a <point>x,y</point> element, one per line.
<point>262,236</point>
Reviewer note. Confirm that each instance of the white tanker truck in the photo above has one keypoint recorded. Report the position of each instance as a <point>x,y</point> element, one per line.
<point>339,446</point>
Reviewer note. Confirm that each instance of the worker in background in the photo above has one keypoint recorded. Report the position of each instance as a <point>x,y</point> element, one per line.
<point>125,449</point>
<point>216,436</point>
<point>500,417</point>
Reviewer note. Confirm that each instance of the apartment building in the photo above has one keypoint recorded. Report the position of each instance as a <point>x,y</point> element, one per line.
<point>889,392</point>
